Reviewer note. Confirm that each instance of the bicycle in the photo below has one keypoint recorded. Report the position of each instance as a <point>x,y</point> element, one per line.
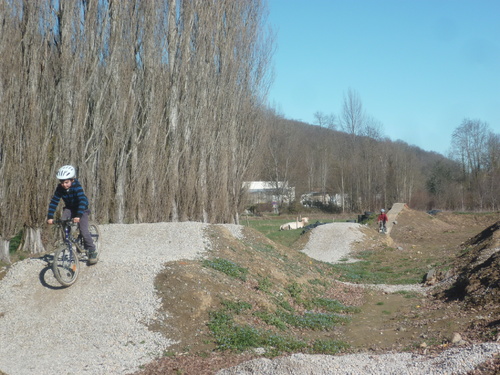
<point>382,228</point>
<point>66,263</point>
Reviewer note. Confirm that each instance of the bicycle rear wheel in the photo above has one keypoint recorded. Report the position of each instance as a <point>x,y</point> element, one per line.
<point>66,265</point>
<point>95,234</point>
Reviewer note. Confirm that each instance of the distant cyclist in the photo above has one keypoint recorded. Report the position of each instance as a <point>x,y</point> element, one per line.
<point>76,206</point>
<point>382,221</point>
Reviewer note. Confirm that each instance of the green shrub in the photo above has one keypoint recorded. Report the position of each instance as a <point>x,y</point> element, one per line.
<point>294,289</point>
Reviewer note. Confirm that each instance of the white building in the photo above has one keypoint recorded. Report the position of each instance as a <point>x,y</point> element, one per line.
<point>269,192</point>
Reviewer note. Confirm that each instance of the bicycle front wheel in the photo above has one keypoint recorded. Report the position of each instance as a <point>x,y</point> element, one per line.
<point>66,265</point>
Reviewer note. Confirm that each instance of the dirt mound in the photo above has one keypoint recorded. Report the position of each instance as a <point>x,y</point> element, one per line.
<point>478,269</point>
<point>412,226</point>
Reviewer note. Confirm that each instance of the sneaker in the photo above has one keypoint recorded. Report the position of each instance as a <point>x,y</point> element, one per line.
<point>93,257</point>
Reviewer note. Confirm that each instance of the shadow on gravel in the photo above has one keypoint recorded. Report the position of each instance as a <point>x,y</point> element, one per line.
<point>48,280</point>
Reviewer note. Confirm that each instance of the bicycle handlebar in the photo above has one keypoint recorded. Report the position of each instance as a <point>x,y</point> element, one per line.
<point>64,222</point>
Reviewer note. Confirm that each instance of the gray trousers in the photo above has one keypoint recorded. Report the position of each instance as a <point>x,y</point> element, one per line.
<point>83,225</point>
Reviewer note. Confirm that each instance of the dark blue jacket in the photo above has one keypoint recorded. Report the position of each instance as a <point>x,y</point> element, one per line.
<point>74,198</point>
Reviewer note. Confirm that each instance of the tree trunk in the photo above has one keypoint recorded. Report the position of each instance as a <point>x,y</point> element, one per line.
<point>4,250</point>
<point>32,241</point>
<point>120,197</point>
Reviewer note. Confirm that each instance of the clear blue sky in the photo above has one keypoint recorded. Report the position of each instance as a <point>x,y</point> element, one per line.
<point>419,66</point>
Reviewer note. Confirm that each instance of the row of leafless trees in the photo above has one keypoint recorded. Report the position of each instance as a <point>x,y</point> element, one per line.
<point>158,104</point>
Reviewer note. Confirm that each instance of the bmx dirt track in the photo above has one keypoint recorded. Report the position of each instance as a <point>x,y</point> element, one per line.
<point>117,317</point>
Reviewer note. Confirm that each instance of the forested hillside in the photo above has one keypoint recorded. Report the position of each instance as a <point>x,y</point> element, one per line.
<point>162,108</point>
<point>373,171</point>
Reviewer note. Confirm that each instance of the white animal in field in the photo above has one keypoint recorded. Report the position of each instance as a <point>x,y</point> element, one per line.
<point>295,224</point>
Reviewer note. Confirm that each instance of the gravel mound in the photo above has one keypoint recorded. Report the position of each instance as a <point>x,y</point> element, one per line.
<point>98,325</point>
<point>453,361</point>
<point>332,242</point>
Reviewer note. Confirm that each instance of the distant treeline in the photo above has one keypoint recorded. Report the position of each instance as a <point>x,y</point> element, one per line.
<point>373,172</point>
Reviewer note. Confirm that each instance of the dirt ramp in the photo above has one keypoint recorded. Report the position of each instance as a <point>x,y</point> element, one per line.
<point>393,214</point>
<point>478,269</point>
<point>414,226</point>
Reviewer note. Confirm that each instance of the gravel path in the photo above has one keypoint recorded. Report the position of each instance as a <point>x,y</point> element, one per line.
<point>454,361</point>
<point>332,242</point>
<point>99,325</point>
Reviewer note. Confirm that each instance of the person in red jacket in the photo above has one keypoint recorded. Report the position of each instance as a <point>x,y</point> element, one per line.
<point>382,220</point>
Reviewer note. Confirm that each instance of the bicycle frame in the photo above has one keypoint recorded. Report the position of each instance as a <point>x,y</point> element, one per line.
<point>382,227</point>
<point>67,237</point>
<point>67,258</point>
<point>66,264</point>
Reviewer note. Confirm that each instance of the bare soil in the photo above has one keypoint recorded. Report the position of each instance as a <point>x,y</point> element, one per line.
<point>461,250</point>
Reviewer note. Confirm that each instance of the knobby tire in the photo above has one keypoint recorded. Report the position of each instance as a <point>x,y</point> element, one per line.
<point>66,265</point>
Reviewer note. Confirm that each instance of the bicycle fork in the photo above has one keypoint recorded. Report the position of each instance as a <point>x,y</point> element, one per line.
<point>72,256</point>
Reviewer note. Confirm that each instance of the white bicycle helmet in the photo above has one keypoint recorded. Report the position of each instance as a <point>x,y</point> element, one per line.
<point>66,172</point>
<point>382,210</point>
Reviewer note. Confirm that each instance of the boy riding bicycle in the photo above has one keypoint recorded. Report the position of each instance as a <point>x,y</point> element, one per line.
<point>382,220</point>
<point>76,206</point>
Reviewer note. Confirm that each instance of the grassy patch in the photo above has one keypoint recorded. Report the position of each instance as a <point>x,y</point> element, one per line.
<point>382,267</point>
<point>231,336</point>
<point>228,267</point>
<point>294,289</point>
<point>236,307</point>
<point>323,283</point>
<point>264,284</point>
<point>408,294</point>
<point>284,304</point>
<point>329,346</point>
<point>329,305</point>
<point>314,321</point>
<point>271,319</point>
<point>271,229</point>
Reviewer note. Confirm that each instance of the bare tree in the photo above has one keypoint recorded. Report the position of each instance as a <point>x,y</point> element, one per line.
<point>493,171</point>
<point>352,117</point>
<point>326,121</point>
<point>469,147</point>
